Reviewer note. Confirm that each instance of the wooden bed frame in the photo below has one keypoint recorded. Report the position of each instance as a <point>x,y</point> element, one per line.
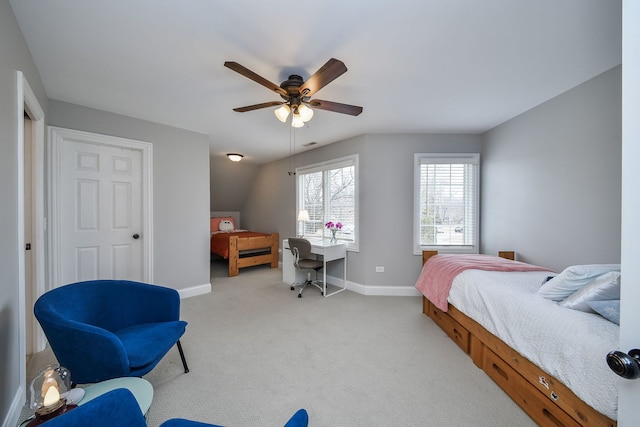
<point>240,254</point>
<point>545,399</point>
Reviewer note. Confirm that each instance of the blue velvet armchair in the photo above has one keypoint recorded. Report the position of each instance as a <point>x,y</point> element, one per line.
<point>103,329</point>
<point>118,408</point>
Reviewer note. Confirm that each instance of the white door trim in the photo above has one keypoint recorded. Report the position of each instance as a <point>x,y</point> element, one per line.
<point>27,101</point>
<point>56,138</point>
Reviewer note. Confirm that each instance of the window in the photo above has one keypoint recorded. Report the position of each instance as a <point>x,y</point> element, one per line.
<point>446,202</point>
<point>328,192</point>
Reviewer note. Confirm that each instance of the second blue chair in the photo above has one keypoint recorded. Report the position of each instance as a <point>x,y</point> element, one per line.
<point>119,408</point>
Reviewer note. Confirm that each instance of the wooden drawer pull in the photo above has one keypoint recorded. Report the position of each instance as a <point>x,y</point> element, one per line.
<point>550,417</point>
<point>500,371</point>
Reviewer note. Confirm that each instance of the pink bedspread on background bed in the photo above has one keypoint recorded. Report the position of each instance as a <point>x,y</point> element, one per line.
<point>439,271</point>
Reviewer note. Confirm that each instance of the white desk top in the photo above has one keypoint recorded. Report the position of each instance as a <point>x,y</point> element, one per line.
<point>324,243</point>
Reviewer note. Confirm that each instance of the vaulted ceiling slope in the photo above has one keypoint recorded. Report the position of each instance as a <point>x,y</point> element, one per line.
<point>429,66</point>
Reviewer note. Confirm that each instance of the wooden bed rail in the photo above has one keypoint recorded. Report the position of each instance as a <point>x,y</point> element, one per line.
<point>238,244</point>
<point>502,254</point>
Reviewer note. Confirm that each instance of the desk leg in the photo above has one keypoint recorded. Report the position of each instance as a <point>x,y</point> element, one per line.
<point>324,277</point>
<point>344,275</point>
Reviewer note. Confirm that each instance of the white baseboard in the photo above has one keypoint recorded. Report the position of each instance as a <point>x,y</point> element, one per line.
<point>11,419</point>
<point>396,291</point>
<point>195,291</point>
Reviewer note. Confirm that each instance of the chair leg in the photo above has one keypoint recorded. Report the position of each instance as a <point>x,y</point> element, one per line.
<point>184,361</point>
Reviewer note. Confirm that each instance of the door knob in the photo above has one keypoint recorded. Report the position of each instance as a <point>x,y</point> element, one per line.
<point>136,236</point>
<point>625,365</point>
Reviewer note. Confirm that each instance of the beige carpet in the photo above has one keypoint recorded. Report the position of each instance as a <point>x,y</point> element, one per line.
<point>257,353</point>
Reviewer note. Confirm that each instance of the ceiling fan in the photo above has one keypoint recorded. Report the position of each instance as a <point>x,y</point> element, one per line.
<point>297,93</point>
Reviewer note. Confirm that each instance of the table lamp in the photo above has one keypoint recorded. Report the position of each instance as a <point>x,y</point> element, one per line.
<point>50,394</point>
<point>303,216</point>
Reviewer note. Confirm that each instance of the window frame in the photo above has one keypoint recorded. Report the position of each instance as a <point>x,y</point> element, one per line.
<point>325,166</point>
<point>446,158</point>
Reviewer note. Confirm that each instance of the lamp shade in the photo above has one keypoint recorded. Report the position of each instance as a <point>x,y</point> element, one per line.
<point>303,215</point>
<point>306,113</point>
<point>282,112</point>
<point>48,389</point>
<point>297,121</point>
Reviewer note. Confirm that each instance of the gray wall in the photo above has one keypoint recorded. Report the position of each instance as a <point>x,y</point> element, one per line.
<point>230,183</point>
<point>551,179</point>
<point>14,55</point>
<point>385,195</point>
<point>180,189</point>
<point>550,187</point>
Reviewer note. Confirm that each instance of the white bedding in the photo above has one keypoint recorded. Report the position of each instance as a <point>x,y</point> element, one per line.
<point>570,345</point>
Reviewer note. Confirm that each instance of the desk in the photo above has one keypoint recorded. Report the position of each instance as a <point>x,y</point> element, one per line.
<point>324,248</point>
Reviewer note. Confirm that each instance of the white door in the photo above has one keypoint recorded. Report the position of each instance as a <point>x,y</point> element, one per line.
<point>102,224</point>
<point>629,390</point>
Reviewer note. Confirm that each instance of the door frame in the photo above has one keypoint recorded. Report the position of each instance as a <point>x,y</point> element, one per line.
<point>57,137</point>
<point>28,102</point>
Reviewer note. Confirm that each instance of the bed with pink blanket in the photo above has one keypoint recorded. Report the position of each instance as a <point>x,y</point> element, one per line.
<point>550,359</point>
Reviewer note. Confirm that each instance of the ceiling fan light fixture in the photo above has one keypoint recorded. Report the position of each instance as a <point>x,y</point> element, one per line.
<point>297,121</point>
<point>283,112</point>
<point>235,157</point>
<point>305,112</point>
<point>297,93</point>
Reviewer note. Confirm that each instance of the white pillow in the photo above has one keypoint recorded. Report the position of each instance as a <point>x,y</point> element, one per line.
<point>603,288</point>
<point>225,225</point>
<point>573,278</point>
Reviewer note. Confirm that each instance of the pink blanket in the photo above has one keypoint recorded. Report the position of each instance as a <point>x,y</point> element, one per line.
<point>439,271</point>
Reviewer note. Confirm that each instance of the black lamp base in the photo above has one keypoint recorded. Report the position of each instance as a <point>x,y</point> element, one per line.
<point>40,419</point>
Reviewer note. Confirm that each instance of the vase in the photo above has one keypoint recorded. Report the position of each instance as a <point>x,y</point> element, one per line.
<point>333,235</point>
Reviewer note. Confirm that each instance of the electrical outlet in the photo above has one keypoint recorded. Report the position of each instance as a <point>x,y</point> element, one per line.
<point>379,269</point>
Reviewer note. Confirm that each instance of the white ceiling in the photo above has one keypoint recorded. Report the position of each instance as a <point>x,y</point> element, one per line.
<point>416,66</point>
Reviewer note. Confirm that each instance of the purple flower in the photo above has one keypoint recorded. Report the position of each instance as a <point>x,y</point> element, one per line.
<point>330,225</point>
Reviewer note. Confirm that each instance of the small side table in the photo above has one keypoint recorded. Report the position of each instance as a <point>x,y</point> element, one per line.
<point>141,389</point>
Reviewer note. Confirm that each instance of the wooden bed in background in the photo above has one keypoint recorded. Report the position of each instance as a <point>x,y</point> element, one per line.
<point>545,399</point>
<point>243,248</point>
<point>252,250</point>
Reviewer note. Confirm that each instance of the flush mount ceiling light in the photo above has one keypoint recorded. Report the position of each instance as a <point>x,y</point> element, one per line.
<point>235,157</point>
<point>297,93</point>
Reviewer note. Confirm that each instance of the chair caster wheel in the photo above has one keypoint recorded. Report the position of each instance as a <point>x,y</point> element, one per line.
<point>292,288</point>
<point>299,295</point>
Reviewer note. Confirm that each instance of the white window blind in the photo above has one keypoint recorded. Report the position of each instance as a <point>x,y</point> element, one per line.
<point>446,202</point>
<point>328,192</point>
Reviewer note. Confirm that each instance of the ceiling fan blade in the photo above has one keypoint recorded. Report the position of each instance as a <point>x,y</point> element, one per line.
<point>255,77</point>
<point>258,106</point>
<point>336,107</point>
<point>326,74</point>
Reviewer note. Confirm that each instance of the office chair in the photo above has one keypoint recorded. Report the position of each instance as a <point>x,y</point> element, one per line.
<point>301,250</point>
